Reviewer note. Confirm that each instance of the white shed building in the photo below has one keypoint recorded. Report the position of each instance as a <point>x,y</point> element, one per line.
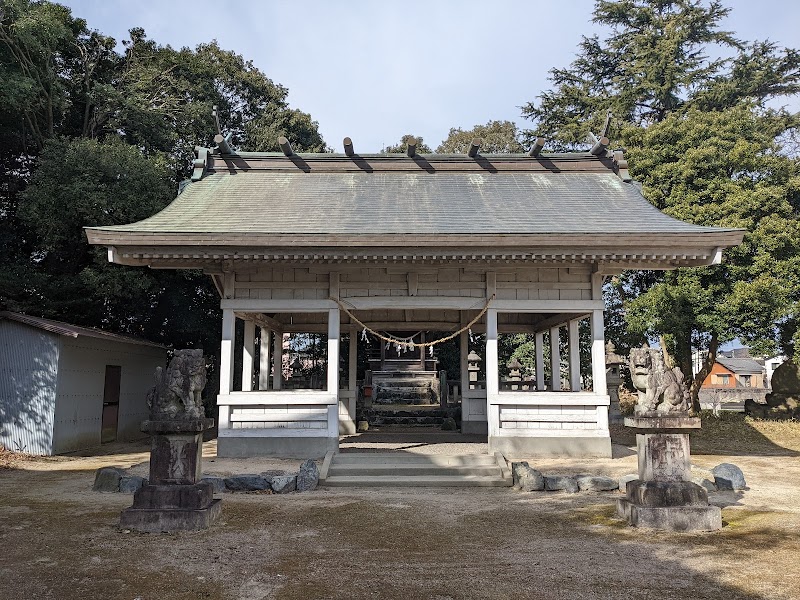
<point>66,388</point>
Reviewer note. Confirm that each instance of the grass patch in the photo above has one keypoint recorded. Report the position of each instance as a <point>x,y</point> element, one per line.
<point>734,434</point>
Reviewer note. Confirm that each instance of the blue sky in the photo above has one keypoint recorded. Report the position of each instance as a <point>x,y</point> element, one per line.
<point>377,70</point>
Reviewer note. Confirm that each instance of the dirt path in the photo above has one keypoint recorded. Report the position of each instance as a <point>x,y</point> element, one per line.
<point>60,540</point>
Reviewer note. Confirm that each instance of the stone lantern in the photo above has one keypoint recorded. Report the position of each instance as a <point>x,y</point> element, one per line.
<point>614,364</point>
<point>514,373</point>
<point>473,366</point>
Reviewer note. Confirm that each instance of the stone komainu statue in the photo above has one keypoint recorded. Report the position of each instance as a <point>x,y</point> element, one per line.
<point>176,394</point>
<point>661,390</point>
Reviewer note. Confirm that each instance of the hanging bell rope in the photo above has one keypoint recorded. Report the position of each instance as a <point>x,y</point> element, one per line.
<point>408,341</point>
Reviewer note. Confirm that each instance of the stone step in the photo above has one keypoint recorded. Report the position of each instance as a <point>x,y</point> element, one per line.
<point>407,458</point>
<point>422,481</point>
<point>416,470</point>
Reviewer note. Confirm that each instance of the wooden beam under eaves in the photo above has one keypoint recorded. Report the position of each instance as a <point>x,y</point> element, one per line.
<point>537,147</point>
<point>348,147</point>
<point>411,147</point>
<point>286,147</point>
<point>474,147</point>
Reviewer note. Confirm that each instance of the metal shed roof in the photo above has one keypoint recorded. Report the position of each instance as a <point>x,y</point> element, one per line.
<point>73,331</point>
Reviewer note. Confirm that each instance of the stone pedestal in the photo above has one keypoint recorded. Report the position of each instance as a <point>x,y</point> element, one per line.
<point>664,496</point>
<point>174,498</point>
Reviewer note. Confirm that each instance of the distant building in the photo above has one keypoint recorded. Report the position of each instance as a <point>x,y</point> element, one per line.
<point>770,364</point>
<point>735,377</point>
<point>66,388</point>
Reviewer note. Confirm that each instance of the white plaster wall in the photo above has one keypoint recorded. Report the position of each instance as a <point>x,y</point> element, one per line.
<point>81,381</point>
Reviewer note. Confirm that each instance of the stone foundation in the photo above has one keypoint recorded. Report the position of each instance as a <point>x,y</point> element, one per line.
<point>278,447</point>
<point>572,447</point>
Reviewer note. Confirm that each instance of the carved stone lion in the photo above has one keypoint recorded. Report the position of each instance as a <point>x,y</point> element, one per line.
<point>176,394</point>
<point>661,390</point>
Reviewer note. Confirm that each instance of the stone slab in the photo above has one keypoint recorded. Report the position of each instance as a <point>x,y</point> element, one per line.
<point>278,447</point>
<point>663,456</point>
<point>573,447</point>
<point>130,484</point>
<point>107,479</point>
<point>566,483</point>
<point>196,496</point>
<point>672,518</point>
<point>662,423</point>
<point>596,483</point>
<point>167,520</point>
<point>654,494</point>
<point>176,458</point>
<point>728,476</point>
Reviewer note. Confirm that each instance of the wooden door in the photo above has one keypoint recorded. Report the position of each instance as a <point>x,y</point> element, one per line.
<point>111,404</point>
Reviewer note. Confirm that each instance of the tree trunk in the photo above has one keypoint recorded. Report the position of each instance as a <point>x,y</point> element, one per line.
<point>708,364</point>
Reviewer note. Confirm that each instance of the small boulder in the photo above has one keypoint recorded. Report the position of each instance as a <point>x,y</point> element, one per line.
<point>308,477</point>
<point>107,479</point>
<point>526,478</point>
<point>362,426</point>
<point>449,424</point>
<point>566,483</point>
<point>729,477</point>
<point>623,482</point>
<point>596,483</point>
<point>705,482</point>
<point>218,483</point>
<point>130,484</point>
<point>246,483</point>
<point>283,484</point>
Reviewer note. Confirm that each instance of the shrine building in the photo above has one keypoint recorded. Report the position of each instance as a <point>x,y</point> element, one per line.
<point>374,246</point>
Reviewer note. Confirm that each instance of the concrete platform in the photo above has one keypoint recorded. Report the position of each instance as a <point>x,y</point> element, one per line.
<point>399,469</point>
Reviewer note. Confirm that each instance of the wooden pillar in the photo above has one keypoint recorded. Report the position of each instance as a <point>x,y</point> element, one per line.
<point>463,346</point>
<point>248,349</point>
<point>352,362</point>
<point>598,353</point>
<point>422,350</point>
<point>540,361</point>
<point>334,332</point>
<point>226,364</point>
<point>383,355</point>
<point>555,360</point>
<point>574,356</point>
<point>263,359</point>
<point>277,360</point>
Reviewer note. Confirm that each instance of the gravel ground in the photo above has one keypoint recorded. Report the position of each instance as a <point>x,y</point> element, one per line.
<point>60,540</point>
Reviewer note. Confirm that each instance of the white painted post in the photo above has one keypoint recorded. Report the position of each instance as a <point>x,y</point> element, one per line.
<point>540,361</point>
<point>555,360</point>
<point>248,350</point>
<point>492,361</point>
<point>574,356</point>
<point>226,364</point>
<point>492,373</point>
<point>334,333</point>
<point>277,360</point>
<point>263,360</point>
<point>598,353</point>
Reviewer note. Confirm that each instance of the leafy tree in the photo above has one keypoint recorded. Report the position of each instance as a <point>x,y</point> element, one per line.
<point>422,147</point>
<point>708,151</point>
<point>91,136</point>
<point>496,136</point>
